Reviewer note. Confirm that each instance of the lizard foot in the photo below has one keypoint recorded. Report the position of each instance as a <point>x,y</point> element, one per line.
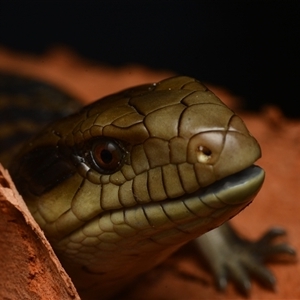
<point>239,259</point>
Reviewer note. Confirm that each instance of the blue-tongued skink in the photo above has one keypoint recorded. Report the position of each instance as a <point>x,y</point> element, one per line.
<point>126,181</point>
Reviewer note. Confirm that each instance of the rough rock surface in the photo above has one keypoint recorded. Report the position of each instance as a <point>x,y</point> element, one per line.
<point>29,267</point>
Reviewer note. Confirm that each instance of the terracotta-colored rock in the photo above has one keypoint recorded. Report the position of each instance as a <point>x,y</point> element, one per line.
<point>29,267</point>
<point>180,277</point>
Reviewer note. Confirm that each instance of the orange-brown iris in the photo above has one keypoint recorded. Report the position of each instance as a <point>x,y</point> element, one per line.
<point>107,155</point>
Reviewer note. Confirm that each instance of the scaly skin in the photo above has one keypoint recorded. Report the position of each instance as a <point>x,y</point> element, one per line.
<point>124,183</point>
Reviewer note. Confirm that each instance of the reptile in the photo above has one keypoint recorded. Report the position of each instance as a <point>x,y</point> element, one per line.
<point>121,184</point>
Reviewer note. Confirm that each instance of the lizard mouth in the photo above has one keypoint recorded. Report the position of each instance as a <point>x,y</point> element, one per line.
<point>200,211</point>
<point>234,189</point>
<point>213,205</point>
<point>237,189</point>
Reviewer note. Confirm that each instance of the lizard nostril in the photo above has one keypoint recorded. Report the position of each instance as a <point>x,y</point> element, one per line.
<point>204,154</point>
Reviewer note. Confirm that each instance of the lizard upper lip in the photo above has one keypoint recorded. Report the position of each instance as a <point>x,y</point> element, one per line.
<point>233,189</point>
<point>229,190</point>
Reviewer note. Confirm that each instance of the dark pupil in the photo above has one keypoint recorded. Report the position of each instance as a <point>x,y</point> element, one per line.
<point>106,156</point>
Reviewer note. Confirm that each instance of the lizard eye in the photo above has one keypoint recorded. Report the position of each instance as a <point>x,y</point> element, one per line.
<point>107,155</point>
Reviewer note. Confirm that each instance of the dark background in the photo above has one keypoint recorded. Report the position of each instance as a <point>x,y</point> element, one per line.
<point>250,47</point>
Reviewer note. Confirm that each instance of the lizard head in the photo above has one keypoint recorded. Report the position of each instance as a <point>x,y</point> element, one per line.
<point>143,170</point>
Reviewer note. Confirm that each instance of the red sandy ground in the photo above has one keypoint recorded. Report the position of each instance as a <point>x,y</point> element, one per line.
<point>277,204</point>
